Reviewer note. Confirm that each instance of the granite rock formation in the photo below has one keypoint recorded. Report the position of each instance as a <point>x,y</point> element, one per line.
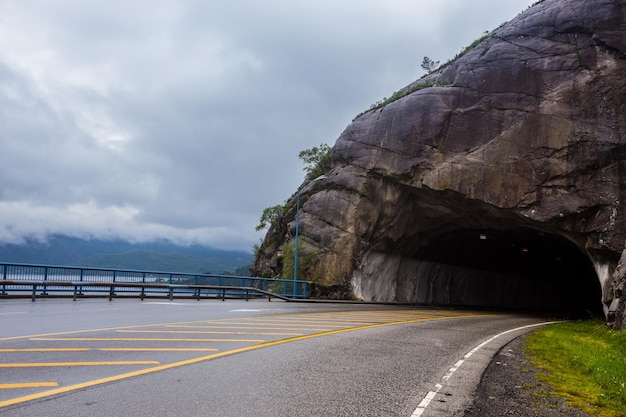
<point>497,180</point>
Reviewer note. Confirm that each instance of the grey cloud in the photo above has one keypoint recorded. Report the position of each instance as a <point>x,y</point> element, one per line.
<point>183,119</point>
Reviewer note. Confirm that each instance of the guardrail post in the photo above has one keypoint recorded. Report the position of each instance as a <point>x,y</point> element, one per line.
<point>34,292</point>
<point>75,291</point>
<point>171,293</point>
<point>4,278</point>
<point>45,278</point>
<point>111,293</point>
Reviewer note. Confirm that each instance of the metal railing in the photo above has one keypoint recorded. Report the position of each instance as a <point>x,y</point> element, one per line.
<point>45,280</point>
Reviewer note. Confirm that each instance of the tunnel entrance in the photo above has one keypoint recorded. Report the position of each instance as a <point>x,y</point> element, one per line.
<point>516,269</point>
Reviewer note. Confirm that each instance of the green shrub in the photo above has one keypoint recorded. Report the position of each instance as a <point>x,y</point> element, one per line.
<point>308,268</point>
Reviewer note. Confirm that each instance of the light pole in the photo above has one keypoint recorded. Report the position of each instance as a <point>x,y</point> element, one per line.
<point>295,258</point>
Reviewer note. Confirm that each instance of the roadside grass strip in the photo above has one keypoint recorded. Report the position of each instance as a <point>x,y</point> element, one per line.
<point>583,362</point>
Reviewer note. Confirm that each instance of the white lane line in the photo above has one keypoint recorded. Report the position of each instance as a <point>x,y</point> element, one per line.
<point>431,394</point>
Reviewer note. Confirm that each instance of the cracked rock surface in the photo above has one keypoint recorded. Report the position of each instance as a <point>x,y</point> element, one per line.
<point>520,139</point>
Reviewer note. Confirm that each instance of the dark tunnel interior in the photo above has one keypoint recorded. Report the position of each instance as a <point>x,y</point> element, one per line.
<point>513,269</point>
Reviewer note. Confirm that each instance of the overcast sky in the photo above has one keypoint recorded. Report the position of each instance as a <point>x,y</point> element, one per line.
<point>183,119</point>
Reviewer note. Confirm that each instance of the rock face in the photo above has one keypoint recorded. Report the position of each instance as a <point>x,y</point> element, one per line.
<point>497,180</point>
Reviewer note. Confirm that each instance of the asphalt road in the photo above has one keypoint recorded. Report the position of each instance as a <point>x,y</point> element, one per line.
<point>237,358</point>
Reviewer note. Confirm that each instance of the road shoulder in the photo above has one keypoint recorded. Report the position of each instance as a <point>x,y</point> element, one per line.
<point>509,386</point>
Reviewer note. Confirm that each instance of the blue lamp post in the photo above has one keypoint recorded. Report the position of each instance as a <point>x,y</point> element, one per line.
<point>295,259</point>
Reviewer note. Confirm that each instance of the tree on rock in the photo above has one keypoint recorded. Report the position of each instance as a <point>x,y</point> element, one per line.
<point>429,65</point>
<point>270,216</point>
<point>316,160</point>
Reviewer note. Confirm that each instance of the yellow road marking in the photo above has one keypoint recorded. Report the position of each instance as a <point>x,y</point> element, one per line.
<point>145,349</point>
<point>29,385</point>
<point>266,322</point>
<point>140,339</point>
<point>51,364</point>
<point>328,320</point>
<point>207,332</point>
<point>202,359</point>
<point>312,322</point>
<point>95,330</point>
<point>337,320</point>
<point>45,350</point>
<point>378,317</point>
<point>320,329</point>
<point>300,322</point>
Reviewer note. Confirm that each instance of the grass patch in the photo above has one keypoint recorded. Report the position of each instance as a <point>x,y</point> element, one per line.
<point>397,95</point>
<point>584,362</point>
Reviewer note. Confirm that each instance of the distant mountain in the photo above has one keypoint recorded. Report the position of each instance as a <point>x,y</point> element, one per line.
<point>119,254</point>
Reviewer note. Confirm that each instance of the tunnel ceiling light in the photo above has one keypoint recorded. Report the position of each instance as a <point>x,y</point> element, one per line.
<point>483,237</point>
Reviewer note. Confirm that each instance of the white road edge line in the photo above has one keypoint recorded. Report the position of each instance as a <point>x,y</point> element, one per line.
<point>431,394</point>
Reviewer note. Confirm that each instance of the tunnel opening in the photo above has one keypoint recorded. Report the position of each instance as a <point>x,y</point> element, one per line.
<point>513,269</point>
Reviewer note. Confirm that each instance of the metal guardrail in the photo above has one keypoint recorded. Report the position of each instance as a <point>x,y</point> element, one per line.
<point>16,278</point>
<point>113,287</point>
